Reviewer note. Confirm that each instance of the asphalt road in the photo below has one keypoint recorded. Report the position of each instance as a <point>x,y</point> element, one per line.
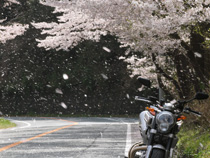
<point>68,137</point>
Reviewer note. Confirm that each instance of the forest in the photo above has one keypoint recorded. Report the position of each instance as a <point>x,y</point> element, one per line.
<point>32,83</point>
<point>101,50</point>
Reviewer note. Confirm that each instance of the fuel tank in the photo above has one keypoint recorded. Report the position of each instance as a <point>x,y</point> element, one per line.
<point>145,121</point>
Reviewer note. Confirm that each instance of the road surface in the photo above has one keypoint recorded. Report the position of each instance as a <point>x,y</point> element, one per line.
<point>92,137</point>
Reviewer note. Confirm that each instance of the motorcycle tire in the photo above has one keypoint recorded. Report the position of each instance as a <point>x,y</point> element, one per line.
<point>158,153</point>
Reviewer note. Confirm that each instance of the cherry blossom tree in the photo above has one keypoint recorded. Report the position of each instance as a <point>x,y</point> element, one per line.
<point>74,26</point>
<point>9,32</point>
<point>146,25</point>
<point>155,28</point>
<point>163,31</point>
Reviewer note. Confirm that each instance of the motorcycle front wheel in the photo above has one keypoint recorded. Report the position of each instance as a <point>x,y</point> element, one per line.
<point>158,153</point>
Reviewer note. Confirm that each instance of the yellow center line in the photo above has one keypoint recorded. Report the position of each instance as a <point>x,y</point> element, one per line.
<point>38,136</point>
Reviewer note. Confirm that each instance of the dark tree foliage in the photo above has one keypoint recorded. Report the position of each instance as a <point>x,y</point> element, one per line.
<point>26,12</point>
<point>98,83</point>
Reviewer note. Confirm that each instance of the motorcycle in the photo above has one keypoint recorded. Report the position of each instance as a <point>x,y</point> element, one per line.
<point>159,124</point>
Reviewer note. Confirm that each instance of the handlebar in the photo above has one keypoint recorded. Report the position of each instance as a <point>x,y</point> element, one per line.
<point>142,99</point>
<point>179,105</point>
<point>150,99</point>
<point>189,110</point>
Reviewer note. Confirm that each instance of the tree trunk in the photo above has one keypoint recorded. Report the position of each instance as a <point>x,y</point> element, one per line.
<point>183,74</point>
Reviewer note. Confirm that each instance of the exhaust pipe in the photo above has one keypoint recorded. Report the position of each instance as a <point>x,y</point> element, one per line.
<point>136,147</point>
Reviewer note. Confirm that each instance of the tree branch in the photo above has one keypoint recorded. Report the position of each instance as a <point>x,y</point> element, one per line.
<point>160,71</point>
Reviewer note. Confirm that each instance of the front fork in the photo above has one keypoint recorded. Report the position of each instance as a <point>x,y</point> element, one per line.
<point>148,148</point>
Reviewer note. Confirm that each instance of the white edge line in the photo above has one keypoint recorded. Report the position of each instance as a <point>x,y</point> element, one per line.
<point>128,140</point>
<point>28,124</point>
<point>105,123</point>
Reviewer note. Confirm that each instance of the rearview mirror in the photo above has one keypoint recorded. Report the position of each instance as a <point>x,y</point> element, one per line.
<point>144,81</point>
<point>201,96</point>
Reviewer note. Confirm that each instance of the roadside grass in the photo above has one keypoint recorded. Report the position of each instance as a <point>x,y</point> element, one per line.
<point>6,123</point>
<point>194,143</point>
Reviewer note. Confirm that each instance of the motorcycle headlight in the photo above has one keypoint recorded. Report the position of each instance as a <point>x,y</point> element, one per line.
<point>165,121</point>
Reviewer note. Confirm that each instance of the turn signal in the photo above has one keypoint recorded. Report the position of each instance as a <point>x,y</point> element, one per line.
<point>181,118</point>
<point>151,110</point>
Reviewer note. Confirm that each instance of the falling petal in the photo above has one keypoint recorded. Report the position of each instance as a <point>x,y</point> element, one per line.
<point>42,98</point>
<point>106,49</point>
<point>104,76</point>
<point>58,91</point>
<point>65,77</point>
<point>63,105</point>
<point>198,55</point>
<point>128,96</point>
